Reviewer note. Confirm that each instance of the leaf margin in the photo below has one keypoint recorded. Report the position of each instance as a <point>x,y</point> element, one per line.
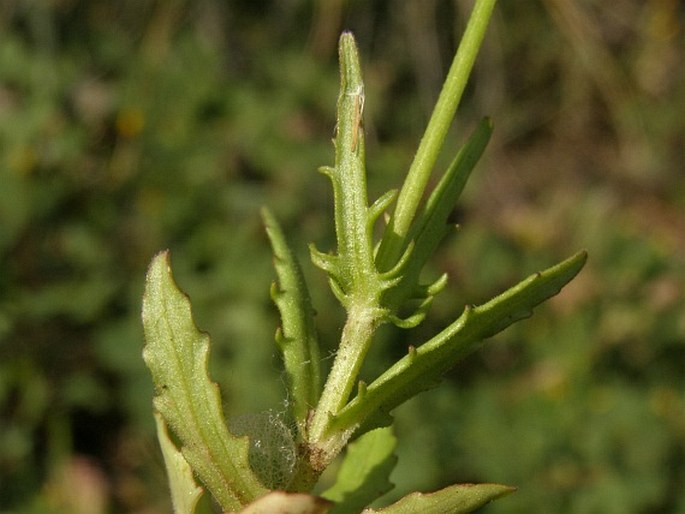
<point>176,352</point>
<point>454,499</point>
<point>423,366</point>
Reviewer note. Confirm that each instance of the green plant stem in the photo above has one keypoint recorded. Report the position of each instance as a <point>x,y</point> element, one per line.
<point>394,238</point>
<point>362,321</point>
<point>352,271</point>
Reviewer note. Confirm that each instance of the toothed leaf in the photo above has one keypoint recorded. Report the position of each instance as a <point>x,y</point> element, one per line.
<point>422,369</point>
<point>298,340</point>
<point>354,270</point>
<point>176,353</point>
<point>455,499</point>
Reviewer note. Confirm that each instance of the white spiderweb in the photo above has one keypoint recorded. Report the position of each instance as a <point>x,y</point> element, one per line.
<point>272,451</point>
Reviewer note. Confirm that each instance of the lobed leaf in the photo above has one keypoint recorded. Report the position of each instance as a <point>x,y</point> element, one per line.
<point>352,271</point>
<point>364,473</point>
<point>455,499</point>
<point>176,353</point>
<point>297,338</point>
<point>423,367</point>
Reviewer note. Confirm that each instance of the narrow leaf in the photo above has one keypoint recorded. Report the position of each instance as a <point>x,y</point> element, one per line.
<point>394,238</point>
<point>432,225</point>
<point>363,475</point>
<point>185,493</point>
<point>298,342</point>
<point>176,353</point>
<point>355,271</point>
<point>423,367</point>
<point>455,499</point>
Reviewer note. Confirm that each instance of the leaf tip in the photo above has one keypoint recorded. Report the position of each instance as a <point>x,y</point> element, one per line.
<point>361,389</point>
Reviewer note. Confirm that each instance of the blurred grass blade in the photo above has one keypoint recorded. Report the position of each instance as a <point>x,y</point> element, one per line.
<point>185,493</point>
<point>297,338</point>
<point>455,499</point>
<point>364,473</point>
<point>423,367</point>
<point>176,353</point>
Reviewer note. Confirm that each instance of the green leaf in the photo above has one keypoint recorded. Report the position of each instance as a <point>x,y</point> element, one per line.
<point>412,191</point>
<point>176,353</point>
<point>363,475</point>
<point>432,225</point>
<point>423,367</point>
<point>352,271</point>
<point>185,493</point>
<point>455,499</point>
<point>297,338</point>
<point>280,502</point>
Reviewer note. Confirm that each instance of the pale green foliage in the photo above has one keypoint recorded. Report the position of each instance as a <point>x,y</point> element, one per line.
<point>297,337</point>
<point>456,499</point>
<point>375,282</point>
<point>176,353</point>
<point>363,475</point>
<point>422,367</point>
<point>185,493</point>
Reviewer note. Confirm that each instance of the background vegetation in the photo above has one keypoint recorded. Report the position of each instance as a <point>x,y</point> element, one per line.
<point>131,126</point>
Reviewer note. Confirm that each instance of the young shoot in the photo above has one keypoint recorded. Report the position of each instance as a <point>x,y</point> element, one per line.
<point>261,463</point>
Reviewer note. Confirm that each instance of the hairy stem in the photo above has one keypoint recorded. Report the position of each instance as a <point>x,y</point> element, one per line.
<point>362,321</point>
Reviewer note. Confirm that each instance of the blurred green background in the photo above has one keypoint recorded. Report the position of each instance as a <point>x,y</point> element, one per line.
<point>131,126</point>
